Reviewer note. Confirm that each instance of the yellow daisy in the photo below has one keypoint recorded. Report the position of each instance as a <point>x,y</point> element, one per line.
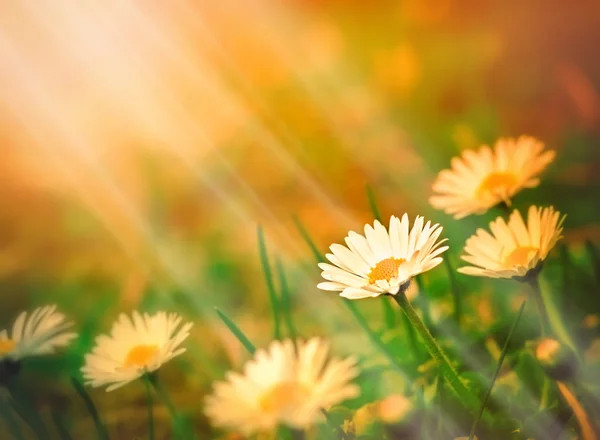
<point>382,261</point>
<point>136,345</point>
<point>40,332</point>
<point>513,249</point>
<point>282,385</point>
<point>481,179</point>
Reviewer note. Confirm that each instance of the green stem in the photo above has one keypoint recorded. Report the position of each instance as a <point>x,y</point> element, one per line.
<point>164,396</point>
<point>534,284</point>
<point>102,432</point>
<point>146,379</point>
<point>436,352</point>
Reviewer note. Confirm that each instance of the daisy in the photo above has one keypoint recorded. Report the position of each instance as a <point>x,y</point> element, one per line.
<point>284,384</point>
<point>382,262</point>
<point>40,332</point>
<point>481,179</point>
<point>513,249</point>
<point>136,346</point>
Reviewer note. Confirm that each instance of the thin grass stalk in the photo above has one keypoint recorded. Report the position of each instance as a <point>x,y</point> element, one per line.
<point>61,429</point>
<point>373,203</point>
<point>423,301</point>
<point>239,334</point>
<point>266,267</point>
<point>11,421</point>
<point>534,284</point>
<point>468,398</point>
<point>150,404</point>
<point>497,372</point>
<point>372,335</point>
<point>594,257</point>
<point>308,240</point>
<point>286,303</point>
<point>455,289</point>
<point>100,428</point>
<point>176,418</point>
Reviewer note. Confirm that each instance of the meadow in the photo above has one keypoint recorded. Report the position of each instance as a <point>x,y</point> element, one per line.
<point>203,159</point>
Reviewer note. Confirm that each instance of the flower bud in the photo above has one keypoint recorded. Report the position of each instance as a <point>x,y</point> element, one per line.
<point>558,361</point>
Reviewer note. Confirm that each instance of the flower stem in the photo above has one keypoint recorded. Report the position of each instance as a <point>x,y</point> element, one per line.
<point>436,352</point>
<point>146,379</point>
<point>180,424</point>
<point>534,284</point>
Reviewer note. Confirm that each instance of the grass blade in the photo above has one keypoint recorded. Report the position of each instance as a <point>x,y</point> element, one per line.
<point>100,428</point>
<point>372,335</point>
<point>455,289</point>
<point>236,332</point>
<point>181,426</point>
<point>389,316</point>
<point>11,421</point>
<point>266,266</point>
<point>150,404</point>
<point>497,372</point>
<point>594,257</point>
<point>308,240</point>
<point>373,203</point>
<point>286,305</point>
<point>61,429</point>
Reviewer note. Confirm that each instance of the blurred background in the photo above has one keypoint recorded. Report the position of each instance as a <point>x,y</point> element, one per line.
<point>144,141</point>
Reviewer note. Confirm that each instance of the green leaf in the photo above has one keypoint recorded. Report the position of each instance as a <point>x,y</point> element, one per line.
<point>266,266</point>
<point>236,332</point>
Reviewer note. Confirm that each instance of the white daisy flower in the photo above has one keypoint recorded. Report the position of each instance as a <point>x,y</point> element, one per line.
<point>282,385</point>
<point>513,249</point>
<point>137,345</point>
<point>380,262</point>
<point>40,332</point>
<point>481,179</point>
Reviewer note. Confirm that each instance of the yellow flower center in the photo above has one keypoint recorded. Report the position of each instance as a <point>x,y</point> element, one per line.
<point>520,256</point>
<point>140,355</point>
<point>7,345</point>
<point>385,269</point>
<point>499,183</point>
<point>283,396</point>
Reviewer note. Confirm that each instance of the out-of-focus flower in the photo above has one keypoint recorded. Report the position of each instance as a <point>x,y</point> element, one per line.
<point>382,261</point>
<point>38,333</point>
<point>514,249</point>
<point>137,345</point>
<point>558,360</point>
<point>481,179</point>
<point>282,385</point>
